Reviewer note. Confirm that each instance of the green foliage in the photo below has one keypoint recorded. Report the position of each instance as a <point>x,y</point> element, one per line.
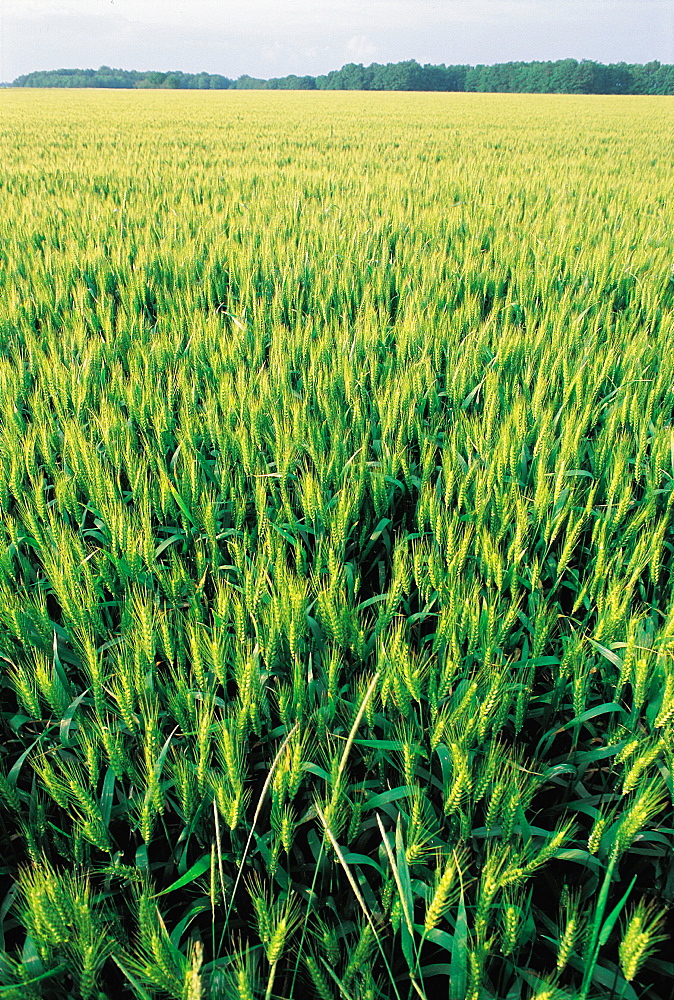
<point>565,76</point>
<point>122,79</point>
<point>336,620</point>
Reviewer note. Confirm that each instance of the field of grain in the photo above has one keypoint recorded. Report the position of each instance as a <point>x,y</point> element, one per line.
<point>336,546</point>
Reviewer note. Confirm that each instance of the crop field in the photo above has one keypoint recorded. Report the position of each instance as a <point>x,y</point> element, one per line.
<point>336,546</point>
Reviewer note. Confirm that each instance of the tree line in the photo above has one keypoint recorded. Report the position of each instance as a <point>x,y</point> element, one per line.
<point>565,76</point>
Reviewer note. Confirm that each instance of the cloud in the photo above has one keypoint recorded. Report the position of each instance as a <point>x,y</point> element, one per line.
<point>361,48</point>
<point>275,37</point>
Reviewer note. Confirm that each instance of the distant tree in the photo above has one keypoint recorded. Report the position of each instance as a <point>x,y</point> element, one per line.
<point>250,83</point>
<point>565,76</point>
<point>295,83</point>
<point>219,82</point>
<point>350,77</point>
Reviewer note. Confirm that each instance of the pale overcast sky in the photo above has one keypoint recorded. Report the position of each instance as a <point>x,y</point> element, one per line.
<point>275,37</point>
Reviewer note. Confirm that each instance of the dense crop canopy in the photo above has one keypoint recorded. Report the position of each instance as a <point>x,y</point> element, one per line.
<point>336,497</point>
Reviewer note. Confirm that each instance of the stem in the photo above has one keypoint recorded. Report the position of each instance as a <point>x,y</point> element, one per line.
<point>593,951</point>
<point>270,981</point>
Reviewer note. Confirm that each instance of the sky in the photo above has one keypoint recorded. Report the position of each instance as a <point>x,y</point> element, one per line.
<point>276,37</point>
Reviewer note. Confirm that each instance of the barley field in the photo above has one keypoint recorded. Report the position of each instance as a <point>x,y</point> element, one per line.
<point>336,546</point>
